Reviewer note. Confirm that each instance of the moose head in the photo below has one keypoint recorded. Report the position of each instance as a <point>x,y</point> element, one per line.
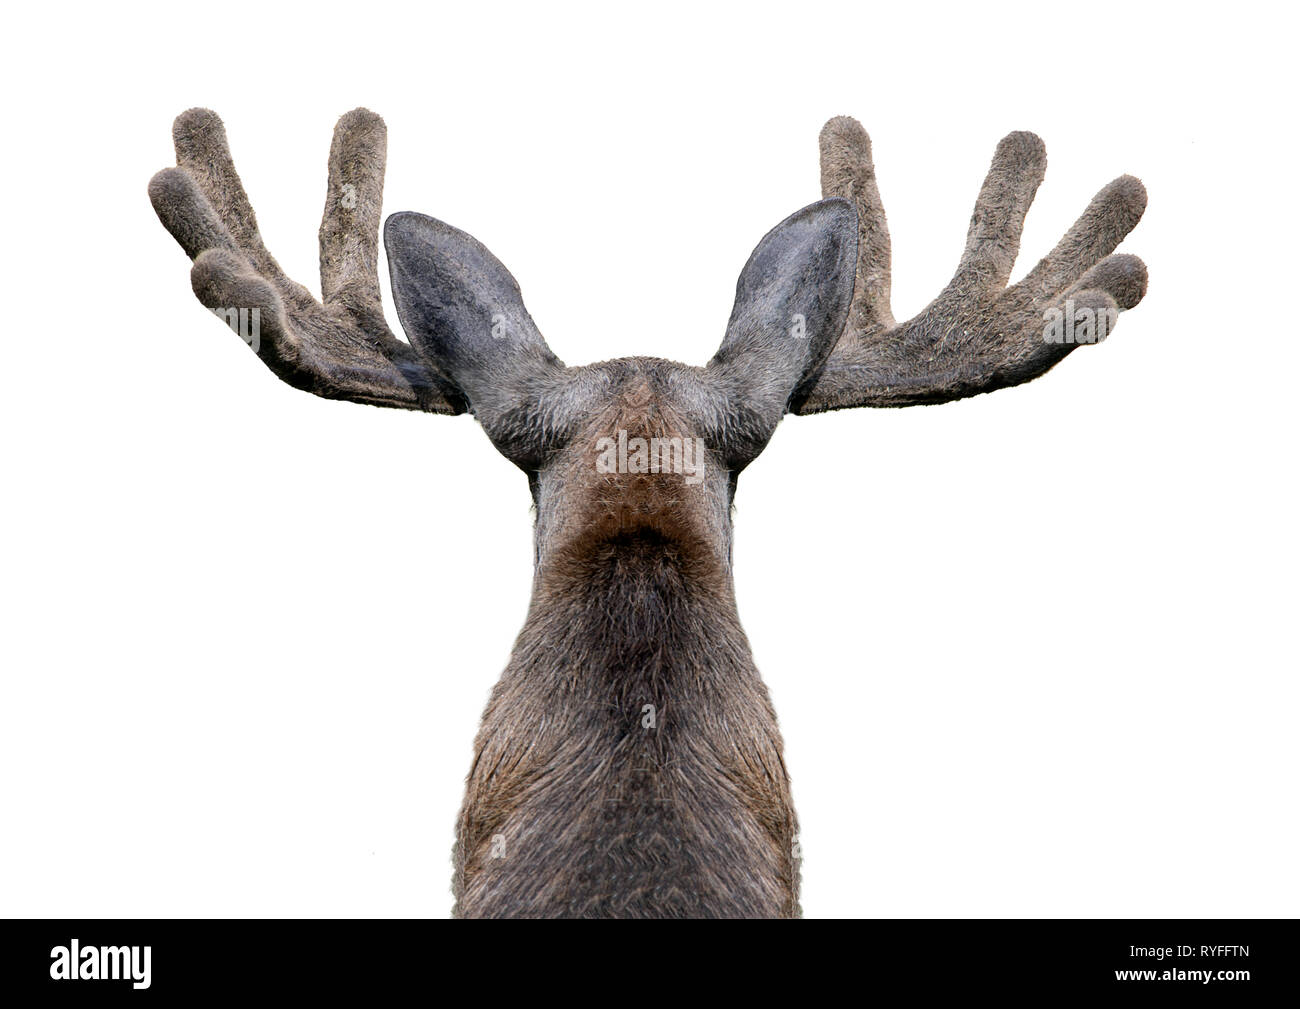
<point>629,762</point>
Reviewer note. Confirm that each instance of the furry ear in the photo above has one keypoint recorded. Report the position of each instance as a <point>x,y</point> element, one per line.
<point>792,301</point>
<point>462,310</point>
<point>458,304</point>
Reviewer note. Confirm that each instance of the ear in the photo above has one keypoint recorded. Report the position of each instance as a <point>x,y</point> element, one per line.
<point>792,301</point>
<point>462,311</point>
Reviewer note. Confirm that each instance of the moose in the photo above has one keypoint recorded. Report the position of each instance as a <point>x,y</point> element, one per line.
<point>629,763</point>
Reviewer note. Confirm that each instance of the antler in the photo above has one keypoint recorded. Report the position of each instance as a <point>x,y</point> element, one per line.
<point>978,335</point>
<point>341,348</point>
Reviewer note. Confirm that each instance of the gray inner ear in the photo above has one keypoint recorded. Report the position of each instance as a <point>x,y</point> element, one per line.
<point>792,302</point>
<point>461,308</point>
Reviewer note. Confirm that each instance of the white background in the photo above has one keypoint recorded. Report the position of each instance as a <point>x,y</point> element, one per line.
<point>1033,653</point>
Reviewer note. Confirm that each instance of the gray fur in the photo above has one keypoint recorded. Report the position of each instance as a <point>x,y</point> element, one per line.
<point>575,806</point>
<point>791,302</point>
<point>341,348</point>
<point>978,335</point>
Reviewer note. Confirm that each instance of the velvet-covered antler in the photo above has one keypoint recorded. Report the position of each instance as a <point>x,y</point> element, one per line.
<point>339,348</point>
<point>978,335</point>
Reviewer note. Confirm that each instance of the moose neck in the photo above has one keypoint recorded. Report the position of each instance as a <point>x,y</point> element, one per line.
<point>639,602</point>
<point>629,740</point>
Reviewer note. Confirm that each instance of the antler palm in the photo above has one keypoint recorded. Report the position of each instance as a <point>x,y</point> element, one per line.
<point>978,335</point>
<point>340,347</point>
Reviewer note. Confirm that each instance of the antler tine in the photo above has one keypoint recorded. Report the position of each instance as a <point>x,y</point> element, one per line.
<point>349,230</point>
<point>203,153</point>
<point>993,239</point>
<point>1112,214</point>
<point>847,171</point>
<point>187,213</point>
<point>978,335</point>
